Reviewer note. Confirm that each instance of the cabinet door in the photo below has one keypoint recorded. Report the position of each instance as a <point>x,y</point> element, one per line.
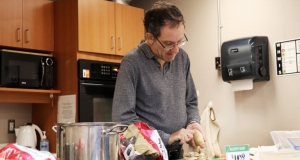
<point>129,27</point>
<point>11,23</point>
<point>96,26</point>
<point>38,24</point>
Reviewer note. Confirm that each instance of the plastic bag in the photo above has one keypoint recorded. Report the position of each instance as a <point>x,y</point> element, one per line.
<point>17,152</point>
<point>141,142</point>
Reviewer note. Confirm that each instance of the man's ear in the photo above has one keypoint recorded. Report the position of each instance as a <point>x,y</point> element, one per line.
<point>149,38</point>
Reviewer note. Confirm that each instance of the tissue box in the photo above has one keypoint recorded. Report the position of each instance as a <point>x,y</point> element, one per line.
<point>280,138</point>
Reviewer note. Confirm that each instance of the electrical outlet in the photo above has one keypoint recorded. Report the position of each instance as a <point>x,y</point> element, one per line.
<point>218,63</point>
<point>11,126</point>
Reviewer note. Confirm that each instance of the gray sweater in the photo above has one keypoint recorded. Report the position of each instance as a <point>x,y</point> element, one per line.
<point>164,98</point>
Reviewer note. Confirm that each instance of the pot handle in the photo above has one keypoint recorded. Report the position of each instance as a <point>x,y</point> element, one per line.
<point>113,127</point>
<point>54,128</point>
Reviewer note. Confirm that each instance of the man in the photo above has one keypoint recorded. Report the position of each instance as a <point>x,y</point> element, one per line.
<point>155,85</point>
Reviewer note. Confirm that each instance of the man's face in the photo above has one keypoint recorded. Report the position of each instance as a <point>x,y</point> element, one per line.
<point>165,47</point>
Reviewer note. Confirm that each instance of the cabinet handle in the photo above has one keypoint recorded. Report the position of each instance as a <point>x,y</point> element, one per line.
<point>18,34</point>
<point>120,43</point>
<point>112,42</point>
<point>28,35</point>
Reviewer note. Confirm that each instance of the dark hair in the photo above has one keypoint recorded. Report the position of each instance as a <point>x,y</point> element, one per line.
<point>162,13</point>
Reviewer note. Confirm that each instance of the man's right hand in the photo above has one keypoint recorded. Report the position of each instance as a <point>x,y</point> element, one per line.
<point>183,136</point>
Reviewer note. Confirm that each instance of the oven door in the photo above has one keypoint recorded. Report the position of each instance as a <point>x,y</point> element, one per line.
<point>95,100</point>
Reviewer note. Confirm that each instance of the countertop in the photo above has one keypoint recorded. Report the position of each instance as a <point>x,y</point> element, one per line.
<point>2,145</point>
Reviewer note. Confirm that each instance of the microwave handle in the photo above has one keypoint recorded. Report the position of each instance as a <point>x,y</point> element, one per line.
<point>43,72</point>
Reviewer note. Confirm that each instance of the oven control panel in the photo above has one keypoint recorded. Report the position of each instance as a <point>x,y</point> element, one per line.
<point>109,70</point>
<point>90,69</point>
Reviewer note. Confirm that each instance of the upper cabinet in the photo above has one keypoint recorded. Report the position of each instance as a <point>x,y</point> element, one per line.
<point>27,24</point>
<point>108,28</point>
<point>129,27</point>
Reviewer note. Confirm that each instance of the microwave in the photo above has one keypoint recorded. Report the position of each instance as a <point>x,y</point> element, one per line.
<point>21,69</point>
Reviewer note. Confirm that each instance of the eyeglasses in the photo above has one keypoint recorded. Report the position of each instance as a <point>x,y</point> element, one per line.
<point>171,46</point>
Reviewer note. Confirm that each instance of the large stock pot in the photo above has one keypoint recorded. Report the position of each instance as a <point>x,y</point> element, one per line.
<point>88,140</point>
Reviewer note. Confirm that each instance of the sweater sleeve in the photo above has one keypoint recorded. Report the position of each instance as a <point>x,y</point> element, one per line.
<point>124,101</point>
<point>191,97</point>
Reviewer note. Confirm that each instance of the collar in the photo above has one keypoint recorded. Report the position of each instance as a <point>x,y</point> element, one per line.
<point>146,50</point>
<point>149,54</point>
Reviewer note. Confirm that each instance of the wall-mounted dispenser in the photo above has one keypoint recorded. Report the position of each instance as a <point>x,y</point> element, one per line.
<point>245,58</point>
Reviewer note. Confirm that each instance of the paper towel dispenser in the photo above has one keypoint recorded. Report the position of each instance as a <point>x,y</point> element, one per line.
<point>245,58</point>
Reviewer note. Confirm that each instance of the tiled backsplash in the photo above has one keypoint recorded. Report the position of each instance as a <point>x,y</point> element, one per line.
<point>21,113</point>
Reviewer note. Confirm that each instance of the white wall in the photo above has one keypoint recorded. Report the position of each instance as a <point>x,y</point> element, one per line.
<point>21,113</point>
<point>245,117</point>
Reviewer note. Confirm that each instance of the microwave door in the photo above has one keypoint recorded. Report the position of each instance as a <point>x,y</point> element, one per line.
<point>21,70</point>
<point>11,75</point>
<point>26,69</point>
<point>29,74</point>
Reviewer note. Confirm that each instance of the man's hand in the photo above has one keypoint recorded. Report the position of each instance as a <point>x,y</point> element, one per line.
<point>183,136</point>
<point>199,128</point>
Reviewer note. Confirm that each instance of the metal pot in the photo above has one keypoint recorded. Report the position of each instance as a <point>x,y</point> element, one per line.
<point>90,140</point>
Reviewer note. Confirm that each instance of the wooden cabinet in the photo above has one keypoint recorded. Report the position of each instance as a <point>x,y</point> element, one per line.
<point>11,23</point>
<point>27,24</point>
<point>108,27</point>
<point>129,27</point>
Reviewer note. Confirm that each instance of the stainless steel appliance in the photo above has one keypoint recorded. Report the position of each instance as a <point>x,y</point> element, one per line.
<point>88,141</point>
<point>96,80</point>
<point>22,69</point>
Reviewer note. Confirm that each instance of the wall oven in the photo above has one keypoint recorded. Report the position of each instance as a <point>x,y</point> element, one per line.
<point>96,85</point>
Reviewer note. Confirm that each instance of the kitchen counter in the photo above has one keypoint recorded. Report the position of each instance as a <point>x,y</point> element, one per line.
<point>2,145</point>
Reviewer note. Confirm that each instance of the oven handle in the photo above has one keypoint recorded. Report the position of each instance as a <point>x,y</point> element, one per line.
<point>98,85</point>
